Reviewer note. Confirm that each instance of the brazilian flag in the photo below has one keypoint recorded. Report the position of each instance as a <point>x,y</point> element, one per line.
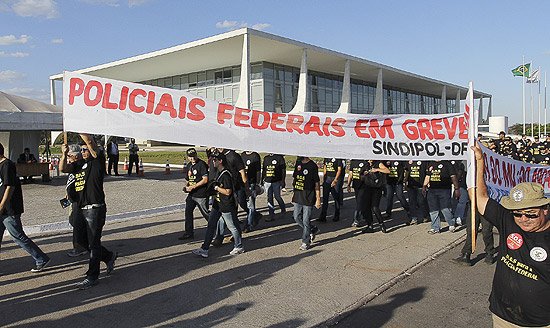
<point>522,70</point>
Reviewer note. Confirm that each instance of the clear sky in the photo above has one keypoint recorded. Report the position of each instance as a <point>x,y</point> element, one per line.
<point>452,41</point>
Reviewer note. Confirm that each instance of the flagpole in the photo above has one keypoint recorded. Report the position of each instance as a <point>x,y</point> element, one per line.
<point>545,110</point>
<point>532,110</point>
<point>523,82</point>
<point>539,106</point>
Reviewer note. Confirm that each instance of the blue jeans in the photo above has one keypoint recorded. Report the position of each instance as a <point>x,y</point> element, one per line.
<point>462,201</point>
<point>302,214</point>
<point>439,200</point>
<point>13,224</point>
<point>251,203</point>
<point>95,220</point>
<point>190,204</point>
<point>335,192</point>
<point>416,203</point>
<point>274,189</point>
<point>230,219</point>
<point>398,190</point>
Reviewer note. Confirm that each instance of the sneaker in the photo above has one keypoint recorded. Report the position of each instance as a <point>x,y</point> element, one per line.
<point>414,221</point>
<point>433,232</point>
<point>111,263</point>
<point>458,222</point>
<point>383,228</point>
<point>313,234</point>
<point>201,252</point>
<point>217,242</point>
<point>41,267</point>
<point>355,224</point>
<point>246,230</point>
<point>186,235</point>
<point>75,253</point>
<point>463,259</point>
<point>86,283</point>
<point>452,228</point>
<point>304,247</point>
<point>237,251</point>
<point>367,229</point>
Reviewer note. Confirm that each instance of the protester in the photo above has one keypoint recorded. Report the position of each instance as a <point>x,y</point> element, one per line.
<point>26,158</point>
<point>253,169</point>
<point>76,218</point>
<point>375,180</point>
<point>496,144</point>
<point>134,158</point>
<point>273,177</point>
<point>305,196</point>
<point>440,176</point>
<point>91,199</point>
<point>113,154</point>
<point>224,207</point>
<point>394,185</point>
<point>415,173</point>
<point>333,174</point>
<point>356,179</point>
<point>521,284</point>
<point>11,208</point>
<point>460,204</point>
<point>195,186</point>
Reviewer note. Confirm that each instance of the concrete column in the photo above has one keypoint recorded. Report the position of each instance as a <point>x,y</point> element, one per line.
<point>243,100</point>
<point>345,105</point>
<point>443,107</point>
<point>379,99</point>
<point>490,108</point>
<point>302,103</point>
<point>457,102</point>
<point>480,117</point>
<point>53,101</point>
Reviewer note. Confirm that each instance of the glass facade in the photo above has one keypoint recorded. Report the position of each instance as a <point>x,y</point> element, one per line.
<point>274,88</point>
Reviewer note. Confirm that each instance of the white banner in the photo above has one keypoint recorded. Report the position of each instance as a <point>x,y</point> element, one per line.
<point>104,106</point>
<point>502,174</point>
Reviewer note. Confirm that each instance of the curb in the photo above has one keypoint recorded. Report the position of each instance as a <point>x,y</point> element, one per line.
<point>335,319</point>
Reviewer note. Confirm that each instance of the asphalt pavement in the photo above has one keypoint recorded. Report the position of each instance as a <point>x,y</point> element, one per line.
<point>399,279</point>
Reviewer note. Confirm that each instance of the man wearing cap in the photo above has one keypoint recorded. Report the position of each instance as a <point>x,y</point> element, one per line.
<point>521,285</point>
<point>498,143</point>
<point>134,158</point>
<point>197,180</point>
<point>224,207</point>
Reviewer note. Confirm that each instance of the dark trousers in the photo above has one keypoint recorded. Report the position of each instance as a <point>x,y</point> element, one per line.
<point>95,220</point>
<point>80,234</point>
<point>190,204</point>
<point>335,192</point>
<point>396,189</point>
<point>372,204</point>
<point>134,159</point>
<point>417,203</point>
<point>486,232</point>
<point>360,205</point>
<point>113,162</point>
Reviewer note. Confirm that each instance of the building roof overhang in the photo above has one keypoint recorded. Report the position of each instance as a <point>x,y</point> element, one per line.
<point>225,49</point>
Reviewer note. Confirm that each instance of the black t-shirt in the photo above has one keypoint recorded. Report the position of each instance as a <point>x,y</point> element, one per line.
<point>397,172</point>
<point>70,187</point>
<point>521,285</point>
<point>305,176</point>
<point>195,173</point>
<point>89,180</point>
<point>498,143</point>
<point>236,164</point>
<point>252,165</point>
<point>440,174</point>
<point>459,167</point>
<point>357,170</point>
<point>525,155</point>
<point>332,165</point>
<point>274,168</point>
<point>222,202</point>
<point>541,159</point>
<point>536,148</point>
<point>417,173</point>
<point>9,177</point>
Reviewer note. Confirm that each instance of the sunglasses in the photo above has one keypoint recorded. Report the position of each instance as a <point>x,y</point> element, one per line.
<point>530,216</point>
<point>83,150</point>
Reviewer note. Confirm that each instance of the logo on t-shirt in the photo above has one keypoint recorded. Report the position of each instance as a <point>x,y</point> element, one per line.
<point>274,162</point>
<point>538,254</point>
<point>333,160</point>
<point>361,164</point>
<point>418,163</point>
<point>514,241</point>
<point>305,172</point>
<point>440,166</point>
<point>189,173</point>
<point>299,167</point>
<point>248,162</point>
<point>194,171</point>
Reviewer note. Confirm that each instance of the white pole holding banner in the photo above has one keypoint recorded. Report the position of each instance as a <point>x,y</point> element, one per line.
<point>472,116</point>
